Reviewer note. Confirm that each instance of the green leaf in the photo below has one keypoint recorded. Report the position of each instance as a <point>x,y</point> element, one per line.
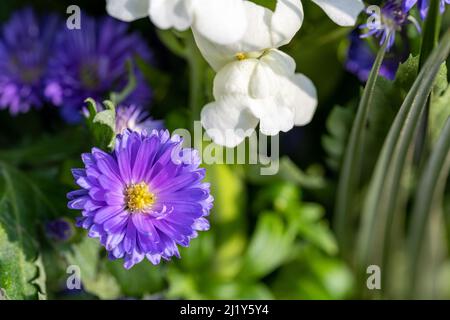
<point>316,231</point>
<point>383,194</point>
<point>95,277</point>
<point>428,196</point>
<point>351,168</point>
<point>143,279</point>
<point>21,271</point>
<point>313,275</point>
<point>270,246</point>
<point>439,112</point>
<point>338,123</point>
<point>102,124</point>
<point>430,40</point>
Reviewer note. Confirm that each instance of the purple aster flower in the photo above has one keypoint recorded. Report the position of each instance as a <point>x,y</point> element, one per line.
<point>25,46</point>
<point>59,230</point>
<point>92,62</point>
<point>136,119</point>
<point>144,198</point>
<point>394,16</point>
<point>424,5</point>
<point>360,59</point>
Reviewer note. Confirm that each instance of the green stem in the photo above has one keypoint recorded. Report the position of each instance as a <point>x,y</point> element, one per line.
<point>197,68</point>
<point>430,40</point>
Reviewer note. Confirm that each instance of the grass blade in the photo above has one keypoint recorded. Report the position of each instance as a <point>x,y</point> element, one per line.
<point>351,167</point>
<point>383,191</point>
<point>431,185</point>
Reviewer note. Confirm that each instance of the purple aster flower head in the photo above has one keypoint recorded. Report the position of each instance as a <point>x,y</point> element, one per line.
<point>92,62</point>
<point>25,46</point>
<point>59,229</point>
<point>136,119</point>
<point>361,57</point>
<point>393,17</point>
<point>144,198</point>
<point>424,5</point>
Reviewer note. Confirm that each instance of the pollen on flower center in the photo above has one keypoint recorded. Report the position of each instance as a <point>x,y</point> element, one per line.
<point>138,197</point>
<point>241,56</point>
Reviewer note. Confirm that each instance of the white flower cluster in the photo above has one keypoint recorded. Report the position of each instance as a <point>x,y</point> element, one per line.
<point>255,81</point>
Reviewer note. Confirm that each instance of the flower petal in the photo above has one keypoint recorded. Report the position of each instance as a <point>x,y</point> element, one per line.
<point>228,121</point>
<point>300,95</point>
<point>342,12</point>
<point>234,78</point>
<point>273,116</point>
<point>220,21</point>
<point>166,14</point>
<point>127,10</point>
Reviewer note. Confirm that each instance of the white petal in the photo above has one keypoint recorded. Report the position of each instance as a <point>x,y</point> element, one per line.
<point>299,93</point>
<point>286,21</point>
<point>342,12</point>
<point>280,62</point>
<point>264,82</point>
<point>127,10</point>
<point>228,121</point>
<point>273,117</point>
<point>166,14</point>
<point>220,21</point>
<point>234,78</point>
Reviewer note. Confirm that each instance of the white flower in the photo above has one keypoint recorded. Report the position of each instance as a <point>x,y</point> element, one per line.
<point>220,21</point>
<point>256,83</point>
<point>268,29</point>
<point>272,29</point>
<point>264,90</point>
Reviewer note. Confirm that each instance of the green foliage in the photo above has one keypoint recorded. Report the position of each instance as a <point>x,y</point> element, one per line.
<point>269,4</point>
<point>21,273</point>
<point>102,124</point>
<point>351,168</point>
<point>338,123</point>
<point>379,220</point>
<point>140,281</point>
<point>269,247</point>
<point>428,200</point>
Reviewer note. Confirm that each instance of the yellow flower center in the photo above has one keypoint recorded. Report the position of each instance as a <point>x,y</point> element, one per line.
<point>138,197</point>
<point>241,56</point>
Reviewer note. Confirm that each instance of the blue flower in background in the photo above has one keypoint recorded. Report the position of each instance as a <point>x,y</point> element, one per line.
<point>92,62</point>
<point>360,59</point>
<point>144,198</point>
<point>59,229</point>
<point>423,6</point>
<point>136,119</point>
<point>394,16</point>
<point>26,44</point>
